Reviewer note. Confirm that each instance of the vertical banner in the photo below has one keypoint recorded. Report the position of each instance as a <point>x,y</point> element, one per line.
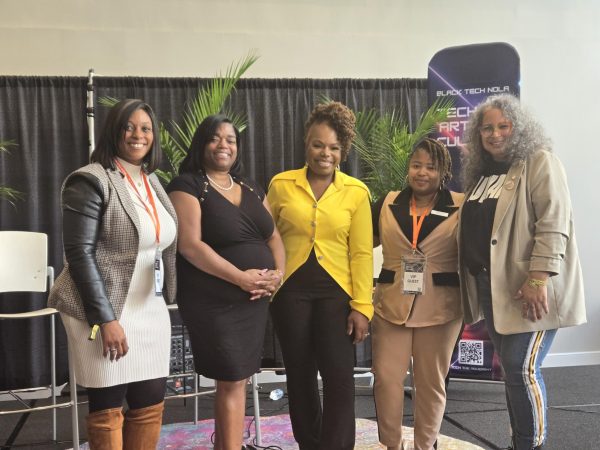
<point>468,74</point>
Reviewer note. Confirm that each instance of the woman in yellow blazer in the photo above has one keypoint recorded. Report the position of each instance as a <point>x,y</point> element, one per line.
<point>324,305</point>
<point>421,321</point>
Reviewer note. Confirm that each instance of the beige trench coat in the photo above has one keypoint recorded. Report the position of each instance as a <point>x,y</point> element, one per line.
<point>532,231</point>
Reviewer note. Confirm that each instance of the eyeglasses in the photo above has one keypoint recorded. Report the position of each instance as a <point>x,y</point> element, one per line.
<point>503,129</point>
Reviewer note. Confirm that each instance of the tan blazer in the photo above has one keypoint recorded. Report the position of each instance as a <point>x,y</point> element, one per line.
<point>532,231</point>
<point>117,246</point>
<point>439,304</point>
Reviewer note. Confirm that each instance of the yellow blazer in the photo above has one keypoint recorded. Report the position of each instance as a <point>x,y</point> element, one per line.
<point>338,226</point>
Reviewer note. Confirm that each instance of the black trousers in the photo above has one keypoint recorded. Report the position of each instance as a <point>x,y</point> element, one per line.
<point>311,327</point>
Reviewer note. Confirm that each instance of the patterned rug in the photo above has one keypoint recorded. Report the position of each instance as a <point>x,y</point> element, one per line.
<point>277,431</point>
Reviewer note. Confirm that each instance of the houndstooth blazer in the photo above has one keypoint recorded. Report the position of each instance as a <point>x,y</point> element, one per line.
<point>119,235</point>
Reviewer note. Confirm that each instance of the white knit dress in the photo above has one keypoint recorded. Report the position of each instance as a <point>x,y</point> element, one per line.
<point>145,317</point>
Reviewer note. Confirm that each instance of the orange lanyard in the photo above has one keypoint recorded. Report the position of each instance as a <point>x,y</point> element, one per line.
<point>417,222</point>
<point>154,213</point>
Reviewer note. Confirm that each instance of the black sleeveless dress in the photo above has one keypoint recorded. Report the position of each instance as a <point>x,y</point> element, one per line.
<point>226,328</point>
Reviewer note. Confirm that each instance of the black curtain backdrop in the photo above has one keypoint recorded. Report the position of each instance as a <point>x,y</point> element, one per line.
<point>46,117</point>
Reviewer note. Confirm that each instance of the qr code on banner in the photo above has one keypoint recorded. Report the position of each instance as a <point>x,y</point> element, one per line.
<point>470,352</point>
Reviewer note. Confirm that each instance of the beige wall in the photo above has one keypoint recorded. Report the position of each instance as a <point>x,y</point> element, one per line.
<point>558,41</point>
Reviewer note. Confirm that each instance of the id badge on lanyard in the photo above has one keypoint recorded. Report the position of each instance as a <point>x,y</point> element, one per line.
<point>158,273</point>
<point>413,273</point>
<point>414,264</point>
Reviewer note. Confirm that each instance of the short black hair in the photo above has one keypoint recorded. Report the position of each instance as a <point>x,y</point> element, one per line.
<point>114,130</point>
<point>194,160</point>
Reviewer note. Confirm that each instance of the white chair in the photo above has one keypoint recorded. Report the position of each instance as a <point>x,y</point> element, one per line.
<point>24,268</point>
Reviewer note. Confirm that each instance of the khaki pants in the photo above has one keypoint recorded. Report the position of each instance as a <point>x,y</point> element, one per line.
<point>431,349</point>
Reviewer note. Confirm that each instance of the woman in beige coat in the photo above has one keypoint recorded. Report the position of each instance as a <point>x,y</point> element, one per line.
<point>519,266</point>
<point>412,319</point>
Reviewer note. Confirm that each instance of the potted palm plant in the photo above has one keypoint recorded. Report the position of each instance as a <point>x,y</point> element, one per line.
<point>384,141</point>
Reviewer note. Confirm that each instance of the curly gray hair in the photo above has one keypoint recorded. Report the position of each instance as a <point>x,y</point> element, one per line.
<point>527,136</point>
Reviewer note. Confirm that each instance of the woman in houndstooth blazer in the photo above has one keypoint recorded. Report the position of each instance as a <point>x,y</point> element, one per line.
<point>119,233</point>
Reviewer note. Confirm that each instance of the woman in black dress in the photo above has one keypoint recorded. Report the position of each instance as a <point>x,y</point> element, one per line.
<point>230,260</point>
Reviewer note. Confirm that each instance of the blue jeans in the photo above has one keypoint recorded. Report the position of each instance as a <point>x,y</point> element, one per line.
<point>521,356</point>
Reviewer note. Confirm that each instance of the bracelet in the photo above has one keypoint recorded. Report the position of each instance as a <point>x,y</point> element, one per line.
<point>536,283</point>
<point>93,332</point>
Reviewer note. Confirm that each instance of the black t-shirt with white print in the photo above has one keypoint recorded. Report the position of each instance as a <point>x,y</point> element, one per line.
<point>477,217</point>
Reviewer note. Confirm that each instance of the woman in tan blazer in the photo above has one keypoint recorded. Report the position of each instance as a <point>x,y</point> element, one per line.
<point>519,266</point>
<point>422,320</point>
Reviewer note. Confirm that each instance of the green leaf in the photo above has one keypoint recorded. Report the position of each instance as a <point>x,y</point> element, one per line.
<point>108,101</point>
<point>7,144</point>
<point>6,193</point>
<point>10,195</point>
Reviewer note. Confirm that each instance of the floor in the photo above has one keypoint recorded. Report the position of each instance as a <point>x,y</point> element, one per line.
<point>476,413</point>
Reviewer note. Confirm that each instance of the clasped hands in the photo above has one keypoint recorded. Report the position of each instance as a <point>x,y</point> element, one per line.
<point>260,282</point>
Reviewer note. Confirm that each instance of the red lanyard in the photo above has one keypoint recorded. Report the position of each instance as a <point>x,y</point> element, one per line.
<point>154,213</point>
<point>418,223</point>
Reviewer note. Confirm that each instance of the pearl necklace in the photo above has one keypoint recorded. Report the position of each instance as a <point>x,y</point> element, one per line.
<point>219,186</point>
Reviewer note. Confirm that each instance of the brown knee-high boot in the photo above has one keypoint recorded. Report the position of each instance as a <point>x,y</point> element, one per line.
<point>142,427</point>
<point>105,429</point>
